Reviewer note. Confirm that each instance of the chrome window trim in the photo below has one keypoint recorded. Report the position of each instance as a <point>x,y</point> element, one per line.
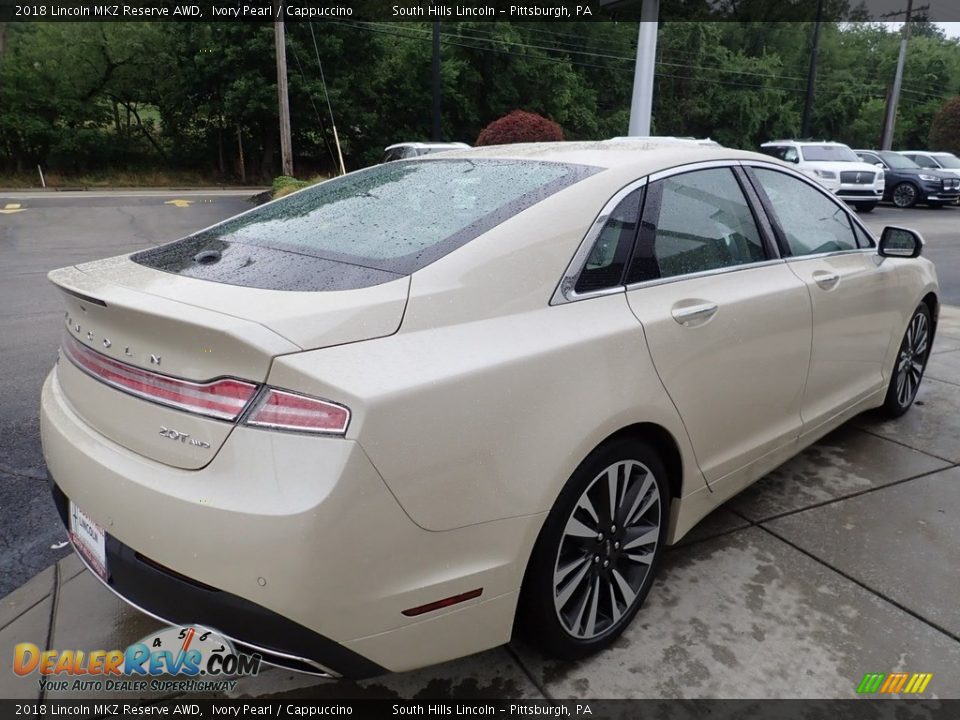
<point>703,273</point>
<point>823,191</point>
<point>565,292</point>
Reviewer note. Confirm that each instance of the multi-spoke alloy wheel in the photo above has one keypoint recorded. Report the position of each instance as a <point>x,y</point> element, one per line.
<point>607,549</point>
<point>905,195</point>
<point>597,554</point>
<point>910,364</point>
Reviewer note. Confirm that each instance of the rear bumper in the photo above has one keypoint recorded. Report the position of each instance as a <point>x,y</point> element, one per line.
<point>178,600</point>
<point>289,543</point>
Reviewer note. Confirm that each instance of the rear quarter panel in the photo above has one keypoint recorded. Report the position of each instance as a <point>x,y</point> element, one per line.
<point>487,420</point>
<point>487,399</point>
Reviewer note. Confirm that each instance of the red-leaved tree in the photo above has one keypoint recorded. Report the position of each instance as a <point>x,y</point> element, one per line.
<point>945,128</point>
<point>520,127</point>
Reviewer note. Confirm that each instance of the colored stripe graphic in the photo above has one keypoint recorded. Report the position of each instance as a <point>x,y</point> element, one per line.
<point>870,683</point>
<point>894,683</point>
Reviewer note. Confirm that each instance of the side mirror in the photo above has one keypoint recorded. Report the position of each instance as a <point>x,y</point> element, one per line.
<point>879,164</point>
<point>900,242</point>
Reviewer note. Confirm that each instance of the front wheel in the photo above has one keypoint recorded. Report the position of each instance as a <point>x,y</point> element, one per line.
<point>598,552</point>
<point>910,364</point>
<point>905,195</point>
<point>865,207</point>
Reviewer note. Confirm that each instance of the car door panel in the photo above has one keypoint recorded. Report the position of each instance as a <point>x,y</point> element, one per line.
<point>852,294</point>
<point>735,368</point>
<point>852,323</point>
<point>728,327</point>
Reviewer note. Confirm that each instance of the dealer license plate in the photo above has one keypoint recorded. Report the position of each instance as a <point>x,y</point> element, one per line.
<point>89,539</point>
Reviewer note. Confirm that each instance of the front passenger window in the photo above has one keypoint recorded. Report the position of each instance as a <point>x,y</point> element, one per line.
<point>811,222</point>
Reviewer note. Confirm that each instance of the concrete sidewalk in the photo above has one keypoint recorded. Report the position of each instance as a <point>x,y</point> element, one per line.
<point>844,561</point>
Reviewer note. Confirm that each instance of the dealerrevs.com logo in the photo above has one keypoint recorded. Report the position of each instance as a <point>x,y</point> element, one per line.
<point>200,659</point>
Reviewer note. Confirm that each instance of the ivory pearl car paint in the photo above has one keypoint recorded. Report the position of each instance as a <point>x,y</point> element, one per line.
<point>390,419</point>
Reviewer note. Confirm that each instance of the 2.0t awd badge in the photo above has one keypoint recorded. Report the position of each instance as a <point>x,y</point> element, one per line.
<point>182,437</point>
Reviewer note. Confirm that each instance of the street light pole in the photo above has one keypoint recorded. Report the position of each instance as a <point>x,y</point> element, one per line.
<point>641,106</point>
<point>283,98</point>
<point>890,118</point>
<point>812,74</point>
<point>435,71</point>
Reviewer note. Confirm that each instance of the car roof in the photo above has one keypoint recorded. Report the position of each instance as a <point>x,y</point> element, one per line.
<point>643,155</point>
<point>804,142</point>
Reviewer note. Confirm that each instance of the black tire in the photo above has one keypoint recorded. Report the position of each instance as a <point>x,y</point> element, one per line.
<point>865,207</point>
<point>910,363</point>
<point>601,558</point>
<point>905,195</point>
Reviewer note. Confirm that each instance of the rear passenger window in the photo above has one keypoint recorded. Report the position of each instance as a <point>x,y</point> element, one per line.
<point>695,222</point>
<point>611,250</point>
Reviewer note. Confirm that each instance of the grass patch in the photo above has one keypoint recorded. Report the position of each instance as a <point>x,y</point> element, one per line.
<point>284,184</point>
<point>120,178</point>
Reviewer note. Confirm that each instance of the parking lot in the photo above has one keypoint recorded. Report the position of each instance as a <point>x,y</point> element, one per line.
<point>842,562</point>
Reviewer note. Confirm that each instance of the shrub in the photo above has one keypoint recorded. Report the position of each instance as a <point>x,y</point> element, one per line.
<point>520,127</point>
<point>945,128</point>
<point>284,185</point>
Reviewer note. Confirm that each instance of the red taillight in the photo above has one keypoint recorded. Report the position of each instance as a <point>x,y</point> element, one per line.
<point>283,410</point>
<point>224,399</point>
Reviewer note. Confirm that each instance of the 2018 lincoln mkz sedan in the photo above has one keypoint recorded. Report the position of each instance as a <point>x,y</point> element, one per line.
<point>395,417</point>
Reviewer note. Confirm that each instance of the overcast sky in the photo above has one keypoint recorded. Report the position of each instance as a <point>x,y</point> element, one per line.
<point>950,28</point>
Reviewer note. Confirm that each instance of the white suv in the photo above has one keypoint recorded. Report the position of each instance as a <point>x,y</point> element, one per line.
<point>835,166</point>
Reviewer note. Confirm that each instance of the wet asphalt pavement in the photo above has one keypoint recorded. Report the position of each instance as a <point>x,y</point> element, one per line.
<point>38,233</point>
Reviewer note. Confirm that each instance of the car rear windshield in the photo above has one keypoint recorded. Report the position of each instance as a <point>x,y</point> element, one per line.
<point>365,228</point>
<point>829,153</point>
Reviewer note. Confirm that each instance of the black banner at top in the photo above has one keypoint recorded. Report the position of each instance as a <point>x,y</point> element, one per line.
<point>469,10</point>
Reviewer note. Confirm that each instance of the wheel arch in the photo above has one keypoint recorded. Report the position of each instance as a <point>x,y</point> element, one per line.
<point>663,442</point>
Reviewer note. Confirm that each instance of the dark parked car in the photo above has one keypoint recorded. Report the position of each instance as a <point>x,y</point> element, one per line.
<point>909,184</point>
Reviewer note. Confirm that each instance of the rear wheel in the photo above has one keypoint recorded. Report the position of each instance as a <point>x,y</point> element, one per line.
<point>598,551</point>
<point>905,195</point>
<point>910,364</point>
<point>865,207</point>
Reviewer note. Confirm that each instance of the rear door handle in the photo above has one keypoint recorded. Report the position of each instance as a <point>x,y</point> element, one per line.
<point>689,315</point>
<point>826,280</point>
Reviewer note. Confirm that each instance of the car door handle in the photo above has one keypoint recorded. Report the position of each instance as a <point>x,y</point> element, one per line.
<point>826,280</point>
<point>694,314</point>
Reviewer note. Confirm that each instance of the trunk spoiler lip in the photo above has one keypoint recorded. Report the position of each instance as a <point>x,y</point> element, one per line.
<point>81,296</point>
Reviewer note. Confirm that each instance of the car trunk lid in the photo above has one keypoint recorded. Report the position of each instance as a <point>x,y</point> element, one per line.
<point>149,327</point>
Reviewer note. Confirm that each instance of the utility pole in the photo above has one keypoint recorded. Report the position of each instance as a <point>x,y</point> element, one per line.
<point>812,74</point>
<point>890,117</point>
<point>641,106</point>
<point>435,71</point>
<point>280,44</point>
